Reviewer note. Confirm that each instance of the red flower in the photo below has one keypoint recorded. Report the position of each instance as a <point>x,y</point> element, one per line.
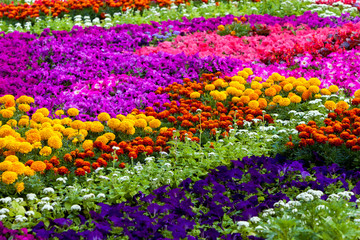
<point>80,172</point>
<point>122,165</point>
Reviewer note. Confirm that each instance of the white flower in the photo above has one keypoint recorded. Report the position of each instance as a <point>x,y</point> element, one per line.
<point>321,207</point>
<point>124,178</point>
<point>6,200</point>
<point>305,196</point>
<point>60,179</point>
<point>100,195</point>
<point>291,204</point>
<point>98,169</point>
<point>243,224</point>
<point>347,195</point>
<point>315,193</point>
<point>45,199</point>
<point>167,164</point>
<point>149,159</point>
<point>255,219</point>
<point>164,153</point>
<point>279,203</point>
<point>171,172</point>
<point>115,148</point>
<point>155,179</point>
<point>4,210</point>
<point>75,207</point>
<point>2,216</point>
<point>48,190</point>
<point>294,210</point>
<point>87,196</point>
<point>333,197</point>
<point>19,200</point>
<point>47,207</point>
<point>29,213</point>
<point>138,167</point>
<point>104,177</point>
<point>259,229</point>
<point>20,218</point>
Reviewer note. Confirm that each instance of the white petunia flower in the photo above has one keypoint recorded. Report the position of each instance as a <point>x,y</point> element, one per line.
<point>75,207</point>
<point>6,200</point>
<point>4,210</point>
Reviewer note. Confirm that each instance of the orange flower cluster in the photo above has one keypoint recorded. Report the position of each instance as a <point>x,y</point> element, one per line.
<point>341,127</point>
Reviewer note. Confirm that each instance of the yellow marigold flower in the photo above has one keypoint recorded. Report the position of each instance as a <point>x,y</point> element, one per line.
<point>17,167</point>
<point>224,84</point>
<point>357,93</point>
<point>245,99</point>
<point>285,102</point>
<point>33,137</point>
<point>221,27</point>
<point>248,91</point>
<point>130,131</point>
<point>110,136</point>
<point>68,131</point>
<point>88,145</point>
<point>248,71</point>
<point>209,87</point>
<point>317,95</point>
<point>83,132</point>
<point>314,81</point>
<point>103,117</point>
<point>120,117</point>
<point>23,122</point>
<point>55,142</point>
<point>88,125</point>
<point>195,95</point>
<point>257,79</point>
<point>46,133</point>
<point>141,115</point>
<point>37,145</point>
<point>97,127</point>
<point>232,33</point>
<point>237,85</point>
<point>256,85</point>
<point>45,151</point>
<point>140,123</point>
<point>19,187</point>
<point>314,89</point>
<point>58,127</point>
<point>330,105</point>
<point>38,166</point>
<point>297,83</point>
<point>148,129</point>
<point>37,117</point>
<point>265,85</point>
<point>114,123</point>
<point>277,99</point>
<point>130,116</point>
<point>231,90</point>
<point>6,98</point>
<point>155,123</point>
<point>301,89</point>
<point>238,79</point>
<point>253,104</point>
<point>25,147</point>
<point>270,92</point>
<point>12,123</point>
<point>73,112</point>
<point>150,118</point>
<point>59,113</point>
<point>235,99</point>
<point>66,121</point>
<point>163,130</point>
<point>4,166</point>
<point>102,139</point>
<point>77,124</point>
<point>9,177</point>
<point>333,88</point>
<point>46,125</point>
<point>325,91</point>
<point>343,105</point>
<point>295,99</point>
<point>6,113</point>
<point>24,107</point>
<point>22,99</point>
<point>44,111</point>
<point>28,171</point>
<point>12,158</point>
<point>13,146</point>
<point>262,103</point>
<point>253,96</point>
<point>243,74</point>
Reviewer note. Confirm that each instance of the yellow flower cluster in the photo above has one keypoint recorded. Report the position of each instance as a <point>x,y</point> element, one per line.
<point>12,168</point>
<point>128,123</point>
<point>276,90</point>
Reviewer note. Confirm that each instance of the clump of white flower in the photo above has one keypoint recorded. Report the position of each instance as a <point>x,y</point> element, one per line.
<point>305,197</point>
<point>20,218</point>
<point>47,207</point>
<point>75,207</point>
<point>241,224</point>
<point>4,210</point>
<point>88,196</point>
<point>48,190</point>
<point>255,219</point>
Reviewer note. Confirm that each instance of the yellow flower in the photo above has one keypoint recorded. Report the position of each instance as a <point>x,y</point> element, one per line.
<point>231,90</point>
<point>238,79</point>
<point>44,111</point>
<point>253,96</point>
<point>9,177</point>
<point>300,89</point>
<point>253,104</point>
<point>343,105</point>
<point>12,123</point>
<point>325,91</point>
<point>19,187</point>
<point>317,95</point>
<point>37,145</point>
<point>248,91</point>
<point>25,147</point>
<point>262,103</point>
<point>140,123</point>
<point>284,102</point>
<point>237,85</point>
<point>77,124</point>
<point>33,136</point>
<point>224,84</point>
<point>55,142</point>
<point>357,93</point>
<point>120,117</point>
<point>235,99</point>
<point>295,99</point>
<point>333,89</point>
<point>17,167</point>
<point>23,122</point>
<point>24,99</point>
<point>4,166</point>
<point>37,117</point>
<point>110,136</point>
<point>103,117</point>
<point>209,87</point>
<point>114,124</point>
<point>270,92</point>
<point>45,151</point>
<point>314,81</point>
<point>148,129</point>
<point>248,71</point>
<point>59,112</point>
<point>258,79</point>
<point>46,133</point>
<point>72,112</point>
<point>277,99</point>
<point>97,127</point>
<point>83,132</point>
<point>66,121</point>
<point>243,74</point>
<point>155,123</point>
<point>314,89</point>
<point>195,95</point>
<point>245,99</point>
<point>102,139</point>
<point>88,145</point>
<point>130,131</point>
<point>221,27</point>
<point>256,85</point>
<point>12,158</point>
<point>38,166</point>
<point>330,105</point>
<point>6,113</point>
<point>28,171</point>
<point>24,107</point>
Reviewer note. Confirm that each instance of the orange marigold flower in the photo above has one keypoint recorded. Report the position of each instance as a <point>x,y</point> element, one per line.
<point>38,166</point>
